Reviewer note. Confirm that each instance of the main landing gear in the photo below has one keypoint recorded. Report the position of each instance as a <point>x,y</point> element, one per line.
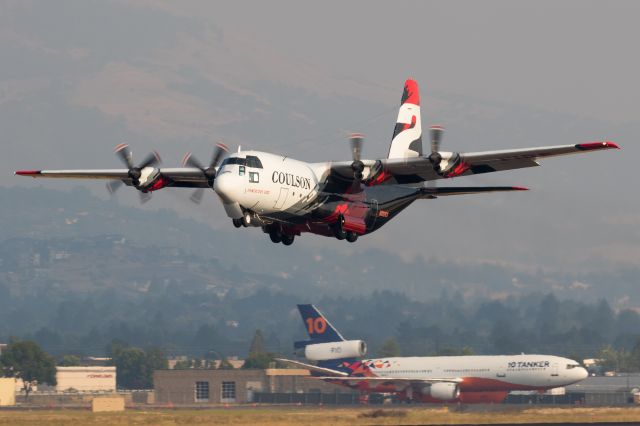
<point>341,234</point>
<point>276,236</point>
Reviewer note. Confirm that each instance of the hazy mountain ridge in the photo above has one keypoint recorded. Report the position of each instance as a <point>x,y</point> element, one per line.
<point>94,233</point>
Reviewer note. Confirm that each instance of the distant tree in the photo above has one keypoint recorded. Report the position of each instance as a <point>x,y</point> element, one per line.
<point>183,364</point>
<point>135,367</point>
<point>614,360</point>
<point>225,364</point>
<point>27,361</point>
<point>261,361</point>
<point>257,344</point>
<point>69,361</point>
<point>389,348</point>
<point>447,351</point>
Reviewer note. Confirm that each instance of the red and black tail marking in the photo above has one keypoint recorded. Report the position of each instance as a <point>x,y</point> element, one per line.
<point>407,133</point>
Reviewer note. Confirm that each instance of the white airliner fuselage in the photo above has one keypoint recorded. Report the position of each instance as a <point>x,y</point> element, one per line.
<point>477,378</point>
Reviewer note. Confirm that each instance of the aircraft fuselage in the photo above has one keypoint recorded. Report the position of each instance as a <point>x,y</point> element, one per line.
<point>288,196</point>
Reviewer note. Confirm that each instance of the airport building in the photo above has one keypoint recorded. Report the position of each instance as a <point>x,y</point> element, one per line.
<point>199,386</point>
<point>86,379</point>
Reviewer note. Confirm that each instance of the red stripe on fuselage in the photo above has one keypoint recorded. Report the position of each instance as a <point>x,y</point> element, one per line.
<point>472,389</point>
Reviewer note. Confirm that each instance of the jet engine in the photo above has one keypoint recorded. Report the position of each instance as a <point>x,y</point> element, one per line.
<point>442,390</point>
<point>335,350</point>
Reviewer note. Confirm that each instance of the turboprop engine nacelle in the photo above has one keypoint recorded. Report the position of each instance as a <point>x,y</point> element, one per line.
<point>442,391</point>
<point>335,350</point>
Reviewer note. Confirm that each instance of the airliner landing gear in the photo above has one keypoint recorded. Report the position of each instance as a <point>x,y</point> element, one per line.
<point>287,239</point>
<point>351,236</point>
<point>237,222</point>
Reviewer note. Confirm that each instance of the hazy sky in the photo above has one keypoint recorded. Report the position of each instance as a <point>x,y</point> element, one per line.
<point>78,77</point>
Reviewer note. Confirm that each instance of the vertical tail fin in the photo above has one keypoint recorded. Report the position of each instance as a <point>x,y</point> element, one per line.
<point>319,328</point>
<point>407,135</point>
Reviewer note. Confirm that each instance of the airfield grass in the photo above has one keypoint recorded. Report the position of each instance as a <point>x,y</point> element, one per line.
<point>320,416</point>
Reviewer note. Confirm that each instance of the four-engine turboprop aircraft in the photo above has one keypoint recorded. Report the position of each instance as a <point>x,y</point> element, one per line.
<point>286,197</point>
<point>471,379</point>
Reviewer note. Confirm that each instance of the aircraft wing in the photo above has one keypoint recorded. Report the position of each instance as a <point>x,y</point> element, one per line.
<point>398,382</point>
<point>436,192</point>
<point>330,375</point>
<point>179,176</point>
<point>420,169</point>
<point>313,368</point>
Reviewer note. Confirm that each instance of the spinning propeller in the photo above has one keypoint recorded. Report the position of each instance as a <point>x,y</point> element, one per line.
<point>436,138</point>
<point>436,132</point>
<point>135,172</point>
<point>357,166</point>
<point>209,172</point>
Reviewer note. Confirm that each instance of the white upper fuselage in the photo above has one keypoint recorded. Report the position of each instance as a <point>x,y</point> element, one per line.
<point>272,184</point>
<point>496,372</point>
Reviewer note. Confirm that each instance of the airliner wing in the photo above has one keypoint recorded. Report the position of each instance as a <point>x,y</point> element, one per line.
<point>179,176</point>
<point>420,169</point>
<point>404,380</point>
<point>331,375</point>
<point>314,368</point>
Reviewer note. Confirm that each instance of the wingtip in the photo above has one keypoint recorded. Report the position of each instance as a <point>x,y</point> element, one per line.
<point>27,172</point>
<point>597,145</point>
<point>519,188</point>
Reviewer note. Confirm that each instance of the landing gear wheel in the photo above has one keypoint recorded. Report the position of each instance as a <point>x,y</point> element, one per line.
<point>338,229</point>
<point>246,219</point>
<point>352,236</point>
<point>237,222</point>
<point>275,236</point>
<point>287,240</point>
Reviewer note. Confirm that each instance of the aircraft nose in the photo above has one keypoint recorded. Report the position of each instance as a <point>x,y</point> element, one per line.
<point>224,186</point>
<point>582,373</point>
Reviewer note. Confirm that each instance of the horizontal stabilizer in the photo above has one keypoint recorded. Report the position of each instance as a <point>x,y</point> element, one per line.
<point>436,192</point>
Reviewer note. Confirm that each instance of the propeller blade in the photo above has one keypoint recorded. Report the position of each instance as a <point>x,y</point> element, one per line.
<point>220,150</point>
<point>123,152</point>
<point>356,140</point>
<point>191,161</point>
<point>197,195</point>
<point>356,145</point>
<point>436,137</point>
<point>151,160</point>
<point>114,185</point>
<point>144,197</point>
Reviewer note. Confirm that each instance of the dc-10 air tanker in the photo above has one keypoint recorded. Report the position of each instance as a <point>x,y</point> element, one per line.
<point>344,199</point>
<point>468,379</point>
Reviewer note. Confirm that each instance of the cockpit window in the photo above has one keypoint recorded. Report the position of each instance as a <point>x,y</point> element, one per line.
<point>234,160</point>
<point>571,366</point>
<point>253,161</point>
<point>250,161</point>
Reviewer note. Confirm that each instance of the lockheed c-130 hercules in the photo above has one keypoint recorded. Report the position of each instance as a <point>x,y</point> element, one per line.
<point>345,199</point>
